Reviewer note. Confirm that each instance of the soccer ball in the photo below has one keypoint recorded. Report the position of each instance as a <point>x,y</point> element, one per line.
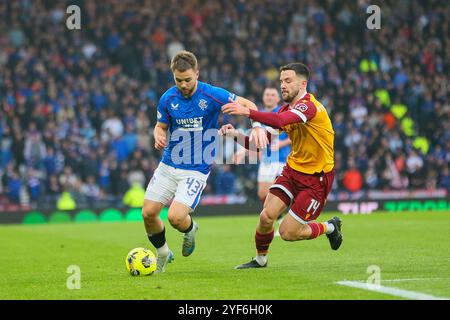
<point>140,262</point>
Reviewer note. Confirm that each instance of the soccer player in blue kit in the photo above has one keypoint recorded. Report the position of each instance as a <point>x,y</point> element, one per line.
<point>189,111</point>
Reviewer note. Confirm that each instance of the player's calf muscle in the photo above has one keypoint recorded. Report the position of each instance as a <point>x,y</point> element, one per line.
<point>149,215</point>
<point>302,233</point>
<point>286,236</point>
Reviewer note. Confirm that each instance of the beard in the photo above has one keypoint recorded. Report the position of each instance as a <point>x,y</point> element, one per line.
<point>289,97</point>
<point>188,92</point>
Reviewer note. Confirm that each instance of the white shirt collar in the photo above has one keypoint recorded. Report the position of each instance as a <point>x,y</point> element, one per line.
<point>306,92</point>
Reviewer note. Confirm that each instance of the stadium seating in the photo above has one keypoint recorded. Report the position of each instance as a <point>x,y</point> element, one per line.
<point>77,107</point>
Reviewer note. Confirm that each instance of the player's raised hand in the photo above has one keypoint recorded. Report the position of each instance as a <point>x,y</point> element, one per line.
<point>236,109</point>
<point>259,137</point>
<point>228,130</point>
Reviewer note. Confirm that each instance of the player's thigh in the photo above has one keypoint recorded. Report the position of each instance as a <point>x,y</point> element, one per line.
<point>190,185</point>
<point>162,185</point>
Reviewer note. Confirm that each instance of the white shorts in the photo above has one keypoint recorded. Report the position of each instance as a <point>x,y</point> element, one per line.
<point>184,186</point>
<point>267,172</point>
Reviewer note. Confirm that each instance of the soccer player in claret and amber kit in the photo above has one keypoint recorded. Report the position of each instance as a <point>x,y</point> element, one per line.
<point>307,178</point>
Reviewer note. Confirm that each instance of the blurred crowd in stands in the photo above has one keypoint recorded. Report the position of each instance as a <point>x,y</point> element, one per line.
<point>77,107</point>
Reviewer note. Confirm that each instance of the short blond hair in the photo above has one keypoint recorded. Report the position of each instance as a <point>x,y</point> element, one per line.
<point>184,60</point>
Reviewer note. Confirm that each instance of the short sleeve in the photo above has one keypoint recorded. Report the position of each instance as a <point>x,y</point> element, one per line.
<point>222,96</point>
<point>162,115</point>
<point>305,110</point>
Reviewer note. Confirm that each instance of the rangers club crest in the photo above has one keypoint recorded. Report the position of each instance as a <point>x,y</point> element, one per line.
<point>203,104</point>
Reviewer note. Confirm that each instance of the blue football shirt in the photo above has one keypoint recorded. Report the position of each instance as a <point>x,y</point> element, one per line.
<point>192,125</point>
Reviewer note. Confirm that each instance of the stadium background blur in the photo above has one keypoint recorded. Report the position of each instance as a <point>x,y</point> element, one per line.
<point>77,107</point>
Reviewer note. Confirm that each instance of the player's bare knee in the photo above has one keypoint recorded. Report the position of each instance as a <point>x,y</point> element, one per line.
<point>149,213</point>
<point>286,235</point>
<point>266,217</point>
<point>175,220</point>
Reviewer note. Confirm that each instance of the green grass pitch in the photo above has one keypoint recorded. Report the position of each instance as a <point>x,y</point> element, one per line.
<point>412,251</point>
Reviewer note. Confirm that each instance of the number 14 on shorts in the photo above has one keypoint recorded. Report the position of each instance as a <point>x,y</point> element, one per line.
<point>313,206</point>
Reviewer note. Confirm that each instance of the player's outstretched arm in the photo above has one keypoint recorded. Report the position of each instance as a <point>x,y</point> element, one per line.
<point>160,134</point>
<point>242,139</point>
<point>274,120</point>
<point>246,103</point>
<point>258,135</point>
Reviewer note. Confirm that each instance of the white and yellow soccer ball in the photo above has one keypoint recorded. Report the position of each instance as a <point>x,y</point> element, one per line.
<point>140,262</point>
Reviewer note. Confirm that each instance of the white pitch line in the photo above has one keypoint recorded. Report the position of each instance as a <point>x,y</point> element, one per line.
<point>414,279</point>
<point>391,291</point>
<point>408,279</point>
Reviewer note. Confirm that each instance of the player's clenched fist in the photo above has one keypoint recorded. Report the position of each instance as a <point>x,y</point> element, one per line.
<point>235,109</point>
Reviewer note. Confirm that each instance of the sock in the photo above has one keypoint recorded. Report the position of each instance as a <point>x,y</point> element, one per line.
<point>190,226</point>
<point>158,240</point>
<point>261,259</point>
<point>262,242</point>
<point>316,229</point>
<point>163,251</point>
<point>329,227</point>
